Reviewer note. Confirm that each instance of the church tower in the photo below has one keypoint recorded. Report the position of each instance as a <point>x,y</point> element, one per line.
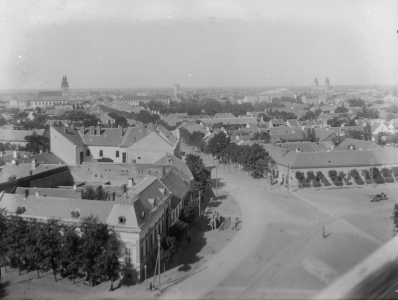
<point>327,84</point>
<point>65,86</point>
<point>316,83</point>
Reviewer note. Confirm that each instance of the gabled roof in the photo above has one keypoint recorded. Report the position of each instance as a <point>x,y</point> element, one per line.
<point>177,186</point>
<point>72,134</point>
<point>176,162</point>
<point>321,159</point>
<point>277,121</point>
<point>231,121</point>
<point>359,144</point>
<point>323,134</point>
<point>224,115</point>
<point>292,122</point>
<point>302,147</point>
<point>45,158</point>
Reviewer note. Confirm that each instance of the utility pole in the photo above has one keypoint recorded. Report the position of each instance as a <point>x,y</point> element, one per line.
<point>160,287</point>
<point>216,183</point>
<point>288,178</point>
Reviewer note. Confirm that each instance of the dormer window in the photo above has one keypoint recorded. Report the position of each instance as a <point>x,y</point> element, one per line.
<point>122,220</point>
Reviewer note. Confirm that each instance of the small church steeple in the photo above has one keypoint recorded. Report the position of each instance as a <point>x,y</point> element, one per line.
<point>65,86</point>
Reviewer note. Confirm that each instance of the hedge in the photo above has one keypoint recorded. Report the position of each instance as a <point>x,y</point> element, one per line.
<point>389,179</point>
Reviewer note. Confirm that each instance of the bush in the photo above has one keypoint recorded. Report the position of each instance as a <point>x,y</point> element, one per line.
<point>105,159</point>
<point>306,184</point>
<point>379,180</point>
<point>386,172</point>
<point>332,174</point>
<point>354,173</point>
<point>389,179</point>
<point>349,183</point>
<point>359,182</point>
<point>320,175</point>
<point>310,175</point>
<point>316,184</point>
<point>366,174</point>
<point>395,171</point>
<point>338,183</point>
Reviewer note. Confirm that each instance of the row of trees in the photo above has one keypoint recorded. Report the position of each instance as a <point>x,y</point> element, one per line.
<point>209,106</point>
<point>143,116</point>
<point>253,159</point>
<point>89,247</point>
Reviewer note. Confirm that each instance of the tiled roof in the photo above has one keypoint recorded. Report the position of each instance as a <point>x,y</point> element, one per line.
<point>17,135</point>
<point>321,159</point>
<point>176,162</point>
<point>278,121</point>
<point>72,134</point>
<point>323,134</point>
<point>49,192</point>
<point>224,115</point>
<point>364,145</point>
<point>177,186</point>
<point>292,122</point>
<point>386,155</point>
<point>46,158</point>
<point>22,170</point>
<point>231,121</point>
<point>302,147</point>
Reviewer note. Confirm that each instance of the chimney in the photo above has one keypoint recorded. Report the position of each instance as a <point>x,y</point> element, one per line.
<point>15,154</point>
<point>74,186</point>
<point>34,163</point>
<point>163,171</point>
<point>14,162</point>
<point>98,130</point>
<point>66,130</point>
<point>82,130</point>
<point>26,193</point>
<point>37,194</point>
<point>91,131</point>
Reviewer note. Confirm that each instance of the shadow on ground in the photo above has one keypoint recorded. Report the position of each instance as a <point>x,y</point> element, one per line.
<point>3,289</point>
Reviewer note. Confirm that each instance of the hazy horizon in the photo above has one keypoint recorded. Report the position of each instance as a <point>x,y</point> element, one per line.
<point>141,45</point>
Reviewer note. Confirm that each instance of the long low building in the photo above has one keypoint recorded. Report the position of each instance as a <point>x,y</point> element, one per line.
<point>289,162</point>
<point>17,137</point>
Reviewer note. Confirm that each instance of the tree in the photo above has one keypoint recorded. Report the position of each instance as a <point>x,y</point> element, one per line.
<point>300,176</point>
<point>70,244</point>
<point>48,238</point>
<point>262,136</point>
<point>394,217</point>
<point>37,143</point>
<point>310,175</point>
<point>219,142</point>
<point>341,110</point>
<point>263,167</point>
<point>107,262</point>
<point>355,134</point>
<point>195,164</point>
<point>3,232</point>
<point>95,236</point>
<point>332,174</point>
<point>97,194</point>
<point>15,237</point>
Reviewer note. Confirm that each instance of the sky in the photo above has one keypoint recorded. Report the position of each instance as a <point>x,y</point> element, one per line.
<point>143,44</point>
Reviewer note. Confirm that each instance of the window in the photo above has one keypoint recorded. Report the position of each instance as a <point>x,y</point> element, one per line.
<point>124,157</point>
<point>159,228</point>
<point>117,153</point>
<point>101,153</point>
<point>88,152</point>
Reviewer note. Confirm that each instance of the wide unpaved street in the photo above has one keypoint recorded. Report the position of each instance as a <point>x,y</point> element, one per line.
<point>280,251</point>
